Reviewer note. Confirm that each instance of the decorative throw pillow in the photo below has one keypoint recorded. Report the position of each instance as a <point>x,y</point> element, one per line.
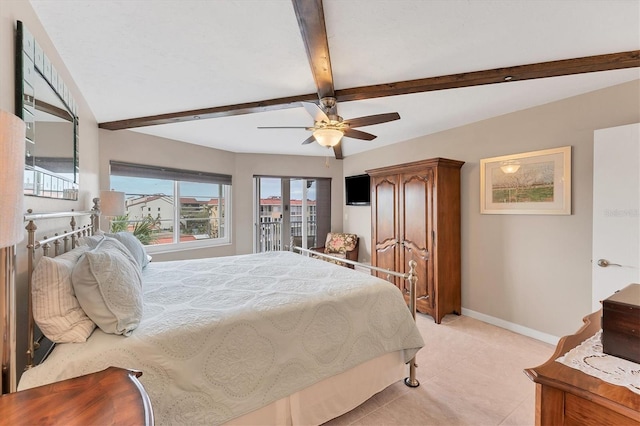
<point>340,243</point>
<point>133,244</point>
<point>108,285</point>
<point>56,309</point>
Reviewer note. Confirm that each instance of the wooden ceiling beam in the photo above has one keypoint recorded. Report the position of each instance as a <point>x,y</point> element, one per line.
<point>588,64</point>
<point>213,112</point>
<point>337,151</point>
<point>310,16</point>
<point>607,62</point>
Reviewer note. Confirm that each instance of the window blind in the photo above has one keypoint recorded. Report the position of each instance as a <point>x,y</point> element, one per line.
<point>119,168</point>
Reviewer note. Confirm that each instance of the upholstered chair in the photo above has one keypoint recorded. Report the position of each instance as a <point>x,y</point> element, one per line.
<point>340,245</point>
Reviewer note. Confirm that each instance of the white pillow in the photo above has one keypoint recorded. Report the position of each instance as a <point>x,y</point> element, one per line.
<point>91,240</point>
<point>130,241</point>
<point>133,244</point>
<point>55,307</point>
<point>108,285</point>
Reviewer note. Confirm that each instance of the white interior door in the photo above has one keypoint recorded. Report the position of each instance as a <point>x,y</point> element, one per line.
<point>616,210</point>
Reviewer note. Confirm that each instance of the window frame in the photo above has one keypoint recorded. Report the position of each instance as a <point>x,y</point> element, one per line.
<point>177,245</point>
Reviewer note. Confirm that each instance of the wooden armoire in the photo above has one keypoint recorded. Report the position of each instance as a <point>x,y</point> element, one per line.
<point>415,215</point>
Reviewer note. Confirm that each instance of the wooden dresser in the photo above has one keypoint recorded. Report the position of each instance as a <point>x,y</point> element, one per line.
<point>110,397</point>
<point>415,215</point>
<point>566,396</point>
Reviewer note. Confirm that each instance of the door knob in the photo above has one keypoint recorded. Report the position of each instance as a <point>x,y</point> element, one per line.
<point>603,263</point>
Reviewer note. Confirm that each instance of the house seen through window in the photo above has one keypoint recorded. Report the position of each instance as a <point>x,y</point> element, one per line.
<point>170,206</point>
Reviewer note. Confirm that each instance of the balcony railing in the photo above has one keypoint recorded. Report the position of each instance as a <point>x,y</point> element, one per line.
<point>270,235</point>
<point>160,231</point>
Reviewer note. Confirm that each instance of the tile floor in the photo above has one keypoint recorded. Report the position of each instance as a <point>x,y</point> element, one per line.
<point>470,373</point>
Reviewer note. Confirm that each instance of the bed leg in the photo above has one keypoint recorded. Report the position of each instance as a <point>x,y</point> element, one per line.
<point>411,381</point>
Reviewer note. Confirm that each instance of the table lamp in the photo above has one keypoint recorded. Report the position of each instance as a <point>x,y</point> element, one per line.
<point>12,140</point>
<point>111,205</point>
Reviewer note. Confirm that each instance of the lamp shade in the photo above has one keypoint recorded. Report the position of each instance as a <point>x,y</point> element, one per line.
<point>112,203</point>
<point>12,134</point>
<point>328,137</point>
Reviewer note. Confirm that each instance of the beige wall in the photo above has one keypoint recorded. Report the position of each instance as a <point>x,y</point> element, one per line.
<point>534,271</point>
<point>128,146</point>
<point>10,12</point>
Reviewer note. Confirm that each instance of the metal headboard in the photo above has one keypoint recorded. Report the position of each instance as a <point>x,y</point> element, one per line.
<point>61,243</point>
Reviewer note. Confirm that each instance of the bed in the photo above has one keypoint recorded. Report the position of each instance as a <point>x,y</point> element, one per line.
<point>268,338</point>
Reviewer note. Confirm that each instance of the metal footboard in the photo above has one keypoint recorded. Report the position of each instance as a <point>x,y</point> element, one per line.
<point>411,277</point>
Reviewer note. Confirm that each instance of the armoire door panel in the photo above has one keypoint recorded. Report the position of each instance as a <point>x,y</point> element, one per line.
<point>384,229</point>
<point>386,258</point>
<point>415,236</point>
<point>385,212</point>
<point>423,287</point>
<point>414,214</point>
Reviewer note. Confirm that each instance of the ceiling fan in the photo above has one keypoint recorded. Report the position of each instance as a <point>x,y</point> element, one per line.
<point>329,128</point>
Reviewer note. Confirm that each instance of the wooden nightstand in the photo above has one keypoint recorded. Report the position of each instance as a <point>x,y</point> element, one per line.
<point>110,397</point>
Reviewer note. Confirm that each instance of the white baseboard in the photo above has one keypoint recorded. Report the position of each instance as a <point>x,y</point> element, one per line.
<point>516,328</point>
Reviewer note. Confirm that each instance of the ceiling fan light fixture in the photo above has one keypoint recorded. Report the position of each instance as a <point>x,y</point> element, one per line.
<point>328,137</point>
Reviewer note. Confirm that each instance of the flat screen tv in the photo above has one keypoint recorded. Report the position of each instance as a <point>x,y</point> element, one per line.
<point>357,190</point>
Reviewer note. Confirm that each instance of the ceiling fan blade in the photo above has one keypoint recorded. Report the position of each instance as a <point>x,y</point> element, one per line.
<point>315,111</point>
<point>337,151</point>
<point>357,134</point>
<point>309,140</point>
<point>283,127</point>
<point>370,120</point>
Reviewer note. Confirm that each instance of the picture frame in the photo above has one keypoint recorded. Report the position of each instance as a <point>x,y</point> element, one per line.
<point>536,182</point>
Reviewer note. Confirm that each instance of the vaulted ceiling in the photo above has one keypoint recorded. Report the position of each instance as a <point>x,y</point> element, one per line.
<point>212,72</point>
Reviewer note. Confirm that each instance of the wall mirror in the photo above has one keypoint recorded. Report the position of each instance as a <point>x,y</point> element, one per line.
<point>44,103</point>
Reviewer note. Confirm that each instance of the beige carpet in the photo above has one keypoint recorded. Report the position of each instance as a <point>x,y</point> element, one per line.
<point>470,372</point>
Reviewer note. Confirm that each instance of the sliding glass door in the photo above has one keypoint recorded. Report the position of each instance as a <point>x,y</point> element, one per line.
<point>291,209</point>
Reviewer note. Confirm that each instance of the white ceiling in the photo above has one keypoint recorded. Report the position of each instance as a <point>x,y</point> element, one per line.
<point>134,58</point>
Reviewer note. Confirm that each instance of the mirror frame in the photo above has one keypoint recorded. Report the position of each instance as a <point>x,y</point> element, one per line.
<point>31,61</point>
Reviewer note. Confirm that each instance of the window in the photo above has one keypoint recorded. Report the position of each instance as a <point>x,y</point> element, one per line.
<point>191,207</point>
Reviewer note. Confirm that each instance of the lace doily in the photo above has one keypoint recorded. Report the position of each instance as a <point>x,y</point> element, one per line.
<point>589,358</point>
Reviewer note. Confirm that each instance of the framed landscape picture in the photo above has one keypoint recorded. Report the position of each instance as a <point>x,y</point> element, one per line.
<point>537,182</point>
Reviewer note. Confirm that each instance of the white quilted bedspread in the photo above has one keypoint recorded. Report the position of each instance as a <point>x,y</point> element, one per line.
<point>223,336</point>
